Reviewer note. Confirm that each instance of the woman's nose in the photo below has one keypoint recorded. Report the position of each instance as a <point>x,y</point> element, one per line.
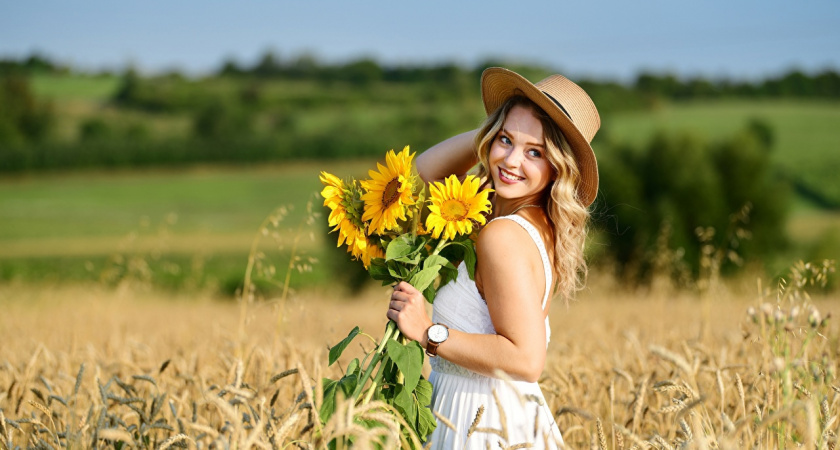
<point>513,157</point>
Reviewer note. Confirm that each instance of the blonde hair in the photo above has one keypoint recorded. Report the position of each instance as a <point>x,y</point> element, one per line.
<point>562,205</point>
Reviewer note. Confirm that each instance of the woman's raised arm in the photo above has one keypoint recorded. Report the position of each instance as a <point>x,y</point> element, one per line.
<point>455,155</point>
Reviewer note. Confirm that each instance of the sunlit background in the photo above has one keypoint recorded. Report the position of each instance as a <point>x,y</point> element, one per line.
<point>148,141</point>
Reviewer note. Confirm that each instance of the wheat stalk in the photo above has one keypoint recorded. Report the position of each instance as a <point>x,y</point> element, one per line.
<point>602,439</point>
<point>474,426</point>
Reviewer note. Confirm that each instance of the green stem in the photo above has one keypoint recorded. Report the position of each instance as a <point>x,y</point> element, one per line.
<point>441,244</point>
<point>389,330</point>
<point>401,376</point>
<point>376,380</point>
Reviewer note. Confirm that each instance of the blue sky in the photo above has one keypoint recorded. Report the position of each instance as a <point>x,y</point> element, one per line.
<point>611,39</point>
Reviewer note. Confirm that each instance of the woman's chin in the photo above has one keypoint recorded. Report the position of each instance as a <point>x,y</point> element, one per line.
<point>507,193</point>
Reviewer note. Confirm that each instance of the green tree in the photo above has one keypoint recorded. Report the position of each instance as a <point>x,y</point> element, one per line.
<point>22,117</point>
<point>659,196</point>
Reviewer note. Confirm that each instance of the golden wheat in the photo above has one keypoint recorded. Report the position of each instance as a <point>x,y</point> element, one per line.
<point>88,366</point>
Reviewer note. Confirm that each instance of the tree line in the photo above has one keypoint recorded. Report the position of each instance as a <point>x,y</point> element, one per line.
<point>362,71</point>
<point>662,205</point>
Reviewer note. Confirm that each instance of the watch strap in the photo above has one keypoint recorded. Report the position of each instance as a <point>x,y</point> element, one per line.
<point>431,348</point>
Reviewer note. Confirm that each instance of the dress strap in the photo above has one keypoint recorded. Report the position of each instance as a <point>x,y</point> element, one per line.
<point>535,235</point>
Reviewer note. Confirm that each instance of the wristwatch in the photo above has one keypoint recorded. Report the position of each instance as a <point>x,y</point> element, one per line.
<point>437,334</point>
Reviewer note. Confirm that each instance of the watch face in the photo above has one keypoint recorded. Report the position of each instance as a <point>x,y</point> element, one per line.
<point>438,333</point>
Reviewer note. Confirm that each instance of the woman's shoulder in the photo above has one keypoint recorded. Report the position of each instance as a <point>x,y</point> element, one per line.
<point>504,237</point>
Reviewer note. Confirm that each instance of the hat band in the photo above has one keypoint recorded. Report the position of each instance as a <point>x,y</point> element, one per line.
<point>558,105</point>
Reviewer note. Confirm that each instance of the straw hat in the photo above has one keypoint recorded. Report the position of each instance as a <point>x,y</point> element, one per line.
<point>566,103</point>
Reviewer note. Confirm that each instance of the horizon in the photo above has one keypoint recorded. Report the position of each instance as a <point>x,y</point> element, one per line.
<point>613,40</point>
<point>249,65</point>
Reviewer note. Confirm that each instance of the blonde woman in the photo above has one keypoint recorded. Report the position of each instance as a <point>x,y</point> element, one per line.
<point>487,338</point>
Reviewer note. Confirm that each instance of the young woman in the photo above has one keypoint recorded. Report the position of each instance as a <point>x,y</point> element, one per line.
<point>488,337</point>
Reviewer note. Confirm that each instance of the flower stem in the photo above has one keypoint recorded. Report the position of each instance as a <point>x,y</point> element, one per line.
<point>440,245</point>
<point>377,357</point>
<point>376,380</point>
<point>400,375</point>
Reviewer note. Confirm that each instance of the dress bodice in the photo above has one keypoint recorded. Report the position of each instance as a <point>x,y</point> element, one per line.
<point>459,305</point>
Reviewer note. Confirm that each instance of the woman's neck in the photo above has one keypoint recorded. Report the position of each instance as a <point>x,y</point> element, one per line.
<point>506,207</point>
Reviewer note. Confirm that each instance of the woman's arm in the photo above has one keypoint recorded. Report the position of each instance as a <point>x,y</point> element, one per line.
<point>455,155</point>
<point>514,283</point>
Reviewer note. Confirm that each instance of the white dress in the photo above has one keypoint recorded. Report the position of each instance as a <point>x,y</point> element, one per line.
<point>459,393</point>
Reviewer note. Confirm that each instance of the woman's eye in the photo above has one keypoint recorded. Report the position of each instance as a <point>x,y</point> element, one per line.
<point>535,153</point>
<point>504,140</point>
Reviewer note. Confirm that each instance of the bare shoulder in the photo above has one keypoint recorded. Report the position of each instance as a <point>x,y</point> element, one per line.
<point>506,240</point>
<point>509,267</point>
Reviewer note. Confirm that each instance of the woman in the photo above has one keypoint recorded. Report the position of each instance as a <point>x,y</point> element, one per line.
<point>487,336</point>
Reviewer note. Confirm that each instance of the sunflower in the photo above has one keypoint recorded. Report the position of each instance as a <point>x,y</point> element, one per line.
<point>370,251</point>
<point>456,206</point>
<point>344,203</point>
<point>388,192</point>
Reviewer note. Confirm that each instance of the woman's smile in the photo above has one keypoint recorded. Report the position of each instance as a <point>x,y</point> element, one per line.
<point>508,177</point>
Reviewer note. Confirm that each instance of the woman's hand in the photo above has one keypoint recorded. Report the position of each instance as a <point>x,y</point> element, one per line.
<point>408,310</point>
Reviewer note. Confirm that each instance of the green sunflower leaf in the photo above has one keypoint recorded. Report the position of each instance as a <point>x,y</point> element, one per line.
<point>409,359</point>
<point>425,277</point>
<point>338,349</point>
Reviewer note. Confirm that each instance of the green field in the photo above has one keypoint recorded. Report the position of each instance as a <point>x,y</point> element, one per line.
<point>89,88</point>
<point>806,134</point>
<point>193,227</point>
<point>80,225</point>
<point>806,139</point>
<point>182,221</point>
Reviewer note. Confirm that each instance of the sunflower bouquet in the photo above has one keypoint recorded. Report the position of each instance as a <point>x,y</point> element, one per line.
<point>400,229</point>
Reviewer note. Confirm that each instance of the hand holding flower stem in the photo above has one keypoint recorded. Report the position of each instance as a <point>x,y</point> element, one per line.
<point>389,239</point>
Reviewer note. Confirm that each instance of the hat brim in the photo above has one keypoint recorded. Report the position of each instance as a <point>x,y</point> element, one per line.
<point>499,84</point>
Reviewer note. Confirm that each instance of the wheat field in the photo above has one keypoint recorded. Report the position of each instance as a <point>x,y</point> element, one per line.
<point>87,366</point>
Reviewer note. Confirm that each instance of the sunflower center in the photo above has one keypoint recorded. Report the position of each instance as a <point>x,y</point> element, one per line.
<point>391,192</point>
<point>453,210</point>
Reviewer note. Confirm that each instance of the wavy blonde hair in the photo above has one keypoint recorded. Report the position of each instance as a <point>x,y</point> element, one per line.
<point>563,207</point>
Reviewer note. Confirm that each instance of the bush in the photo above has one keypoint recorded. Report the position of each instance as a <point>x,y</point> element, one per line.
<point>22,117</point>
<point>686,195</point>
<point>219,120</point>
<point>95,129</point>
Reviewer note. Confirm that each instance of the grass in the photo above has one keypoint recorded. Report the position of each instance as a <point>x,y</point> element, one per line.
<point>217,201</point>
<point>69,226</point>
<point>89,366</point>
<point>75,87</point>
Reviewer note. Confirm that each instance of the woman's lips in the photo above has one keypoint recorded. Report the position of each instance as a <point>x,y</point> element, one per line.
<point>508,177</point>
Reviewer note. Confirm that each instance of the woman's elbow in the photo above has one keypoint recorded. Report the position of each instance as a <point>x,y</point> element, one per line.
<point>425,167</point>
<point>529,369</point>
<point>534,375</point>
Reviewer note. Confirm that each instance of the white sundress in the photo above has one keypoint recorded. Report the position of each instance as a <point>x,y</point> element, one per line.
<point>459,393</point>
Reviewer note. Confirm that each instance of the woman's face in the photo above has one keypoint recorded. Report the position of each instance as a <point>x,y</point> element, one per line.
<point>518,162</point>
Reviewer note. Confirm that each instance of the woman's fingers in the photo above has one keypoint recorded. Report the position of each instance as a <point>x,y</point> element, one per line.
<point>403,286</point>
<point>407,297</point>
<point>397,305</point>
<point>407,309</point>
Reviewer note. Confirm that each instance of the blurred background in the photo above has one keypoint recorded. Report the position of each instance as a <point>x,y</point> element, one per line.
<point>160,144</point>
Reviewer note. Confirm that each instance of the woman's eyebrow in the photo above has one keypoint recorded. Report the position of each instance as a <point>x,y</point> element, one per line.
<point>527,143</point>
